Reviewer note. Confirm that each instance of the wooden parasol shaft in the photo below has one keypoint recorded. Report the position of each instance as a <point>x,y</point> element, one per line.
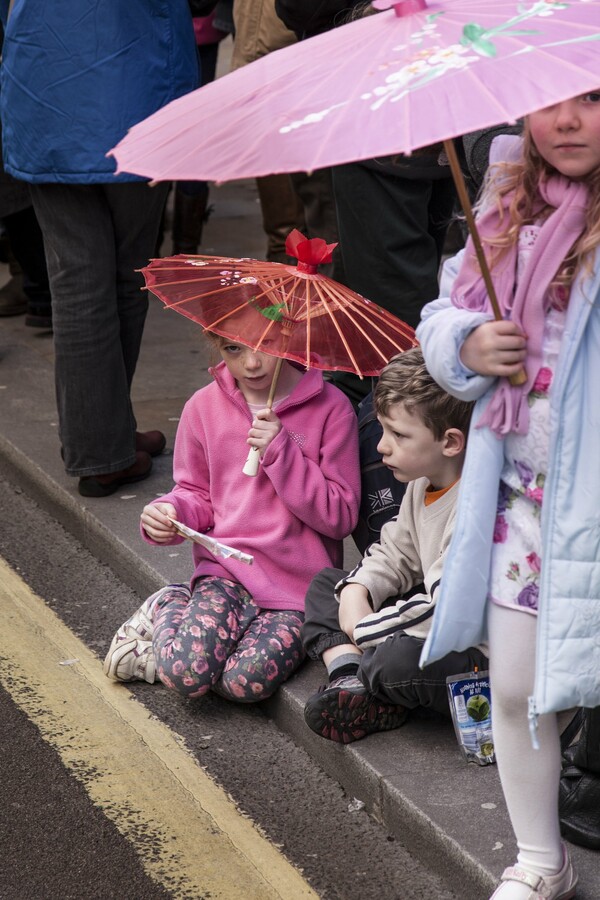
<point>276,372</point>
<point>463,195</point>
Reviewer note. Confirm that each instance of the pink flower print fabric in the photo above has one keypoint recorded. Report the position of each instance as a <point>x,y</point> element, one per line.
<point>217,638</point>
<point>516,554</point>
<point>528,581</point>
<point>541,385</point>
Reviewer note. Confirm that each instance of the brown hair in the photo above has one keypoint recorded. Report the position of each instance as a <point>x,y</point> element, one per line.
<point>406,380</point>
<point>217,340</point>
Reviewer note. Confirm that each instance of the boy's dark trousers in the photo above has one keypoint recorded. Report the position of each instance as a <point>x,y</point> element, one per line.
<point>390,670</point>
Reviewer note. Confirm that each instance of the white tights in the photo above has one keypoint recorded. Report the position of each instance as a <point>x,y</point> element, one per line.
<point>529,777</point>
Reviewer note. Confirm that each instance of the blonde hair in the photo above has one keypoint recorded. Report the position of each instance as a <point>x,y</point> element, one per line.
<point>406,380</point>
<point>526,206</point>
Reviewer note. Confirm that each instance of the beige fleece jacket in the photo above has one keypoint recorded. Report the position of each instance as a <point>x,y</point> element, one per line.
<point>411,551</point>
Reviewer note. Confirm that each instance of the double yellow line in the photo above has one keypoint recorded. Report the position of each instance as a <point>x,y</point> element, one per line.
<point>131,765</point>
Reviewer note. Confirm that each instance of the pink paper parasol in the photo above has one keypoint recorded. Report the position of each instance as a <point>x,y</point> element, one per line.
<point>389,83</point>
<point>415,74</point>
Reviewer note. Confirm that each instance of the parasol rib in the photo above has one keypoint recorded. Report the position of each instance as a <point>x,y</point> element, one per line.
<point>308,324</point>
<point>374,313</point>
<point>341,335</point>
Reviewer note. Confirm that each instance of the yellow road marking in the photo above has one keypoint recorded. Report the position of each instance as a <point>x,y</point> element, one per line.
<point>131,765</point>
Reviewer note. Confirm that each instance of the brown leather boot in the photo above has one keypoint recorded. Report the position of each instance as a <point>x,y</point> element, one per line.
<point>105,485</point>
<point>151,442</point>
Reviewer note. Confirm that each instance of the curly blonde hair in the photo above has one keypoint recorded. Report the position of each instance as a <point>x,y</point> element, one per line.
<point>522,178</point>
<point>406,380</point>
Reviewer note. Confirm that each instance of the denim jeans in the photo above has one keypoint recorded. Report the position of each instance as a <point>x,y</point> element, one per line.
<point>96,236</point>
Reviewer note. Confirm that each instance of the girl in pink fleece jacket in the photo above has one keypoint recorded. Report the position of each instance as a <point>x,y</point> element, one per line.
<point>236,629</point>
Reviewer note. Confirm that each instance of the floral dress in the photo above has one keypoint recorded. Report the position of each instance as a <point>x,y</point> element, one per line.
<point>516,554</point>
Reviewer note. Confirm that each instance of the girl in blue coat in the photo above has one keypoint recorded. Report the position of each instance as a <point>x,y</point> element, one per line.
<point>524,563</point>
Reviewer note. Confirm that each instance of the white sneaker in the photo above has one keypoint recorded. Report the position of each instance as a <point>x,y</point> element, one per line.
<point>130,660</point>
<point>130,656</point>
<point>548,887</point>
<point>140,624</point>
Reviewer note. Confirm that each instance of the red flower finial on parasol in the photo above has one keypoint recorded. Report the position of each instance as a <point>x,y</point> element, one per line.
<point>310,253</point>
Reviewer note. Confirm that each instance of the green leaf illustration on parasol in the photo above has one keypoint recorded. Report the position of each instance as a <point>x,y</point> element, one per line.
<point>269,312</point>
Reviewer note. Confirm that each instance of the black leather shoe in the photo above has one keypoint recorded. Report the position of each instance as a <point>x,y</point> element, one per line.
<point>105,485</point>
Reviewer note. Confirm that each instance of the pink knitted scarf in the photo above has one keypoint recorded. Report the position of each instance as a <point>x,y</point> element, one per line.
<point>527,302</point>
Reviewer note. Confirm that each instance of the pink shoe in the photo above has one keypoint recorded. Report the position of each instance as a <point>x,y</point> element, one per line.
<point>549,887</point>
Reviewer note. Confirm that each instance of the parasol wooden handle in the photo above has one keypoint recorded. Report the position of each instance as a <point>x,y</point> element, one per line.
<point>519,377</point>
<point>252,462</point>
<point>253,458</point>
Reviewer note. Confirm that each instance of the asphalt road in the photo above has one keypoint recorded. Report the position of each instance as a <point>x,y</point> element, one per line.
<point>58,832</point>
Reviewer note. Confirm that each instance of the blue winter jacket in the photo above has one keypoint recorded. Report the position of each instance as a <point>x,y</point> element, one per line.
<point>568,633</point>
<point>77,74</point>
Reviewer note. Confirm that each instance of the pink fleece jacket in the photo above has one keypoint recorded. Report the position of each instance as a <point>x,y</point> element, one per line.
<point>293,516</point>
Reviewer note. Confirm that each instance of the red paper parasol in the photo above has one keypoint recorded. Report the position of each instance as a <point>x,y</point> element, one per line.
<point>287,311</point>
<point>291,312</point>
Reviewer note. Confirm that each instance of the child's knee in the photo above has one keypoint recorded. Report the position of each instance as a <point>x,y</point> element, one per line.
<point>252,680</point>
<point>380,676</point>
<point>184,679</point>
<point>510,696</point>
<point>243,688</point>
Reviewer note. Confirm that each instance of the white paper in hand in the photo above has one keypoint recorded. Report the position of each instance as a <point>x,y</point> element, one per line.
<point>214,547</point>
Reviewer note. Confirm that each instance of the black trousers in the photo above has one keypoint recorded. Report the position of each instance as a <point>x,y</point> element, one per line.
<point>391,230</point>
<point>390,670</point>
<point>27,245</point>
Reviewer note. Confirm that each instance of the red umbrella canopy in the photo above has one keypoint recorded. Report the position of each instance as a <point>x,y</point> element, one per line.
<point>288,311</point>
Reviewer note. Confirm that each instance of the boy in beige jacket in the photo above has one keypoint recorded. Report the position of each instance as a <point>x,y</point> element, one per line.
<point>368,626</point>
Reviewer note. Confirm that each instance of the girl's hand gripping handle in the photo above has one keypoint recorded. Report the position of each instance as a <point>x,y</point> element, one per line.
<point>254,454</point>
<point>496,348</point>
<point>265,427</point>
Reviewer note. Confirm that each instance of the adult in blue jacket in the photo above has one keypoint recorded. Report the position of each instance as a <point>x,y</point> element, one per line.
<point>76,75</point>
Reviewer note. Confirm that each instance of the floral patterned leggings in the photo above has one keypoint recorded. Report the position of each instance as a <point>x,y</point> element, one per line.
<point>218,638</point>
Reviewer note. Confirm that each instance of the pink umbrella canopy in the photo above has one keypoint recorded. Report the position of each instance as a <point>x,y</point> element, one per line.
<point>412,75</point>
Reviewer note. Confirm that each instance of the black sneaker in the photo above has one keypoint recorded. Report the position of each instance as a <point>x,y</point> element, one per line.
<point>344,711</point>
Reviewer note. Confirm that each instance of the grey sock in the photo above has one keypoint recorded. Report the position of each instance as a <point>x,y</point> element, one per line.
<point>340,662</point>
